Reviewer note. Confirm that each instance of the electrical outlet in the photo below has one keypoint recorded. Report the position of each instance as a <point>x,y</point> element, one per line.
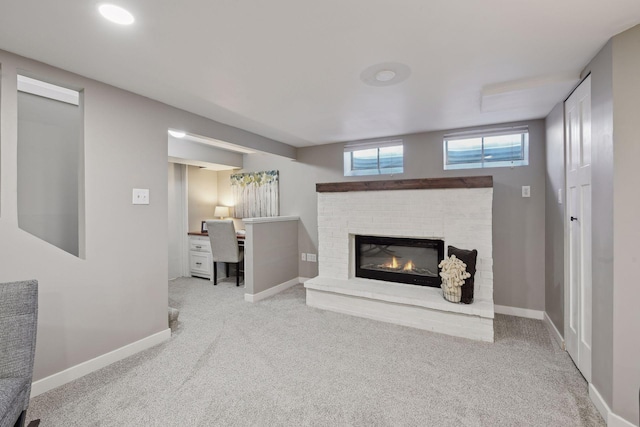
<point>304,256</point>
<point>140,196</point>
<point>526,191</point>
<point>311,257</point>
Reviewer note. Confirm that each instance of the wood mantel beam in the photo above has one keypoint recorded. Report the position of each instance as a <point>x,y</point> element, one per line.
<point>407,184</point>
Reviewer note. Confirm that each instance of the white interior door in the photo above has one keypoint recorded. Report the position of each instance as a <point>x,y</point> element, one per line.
<point>578,301</point>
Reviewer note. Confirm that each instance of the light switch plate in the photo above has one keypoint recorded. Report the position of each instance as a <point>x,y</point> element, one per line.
<point>560,195</point>
<point>304,256</point>
<point>140,196</point>
<point>526,191</point>
<point>311,257</point>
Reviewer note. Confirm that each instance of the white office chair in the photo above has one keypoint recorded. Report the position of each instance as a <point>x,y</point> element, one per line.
<point>224,247</point>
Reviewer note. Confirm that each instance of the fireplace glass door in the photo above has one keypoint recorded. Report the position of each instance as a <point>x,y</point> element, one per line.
<point>402,260</point>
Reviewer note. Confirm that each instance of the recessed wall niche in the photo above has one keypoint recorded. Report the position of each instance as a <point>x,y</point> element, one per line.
<point>51,164</point>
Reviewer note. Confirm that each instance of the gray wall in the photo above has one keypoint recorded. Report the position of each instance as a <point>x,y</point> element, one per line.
<point>271,253</point>
<point>49,170</point>
<point>614,103</point>
<point>554,218</point>
<point>602,220</point>
<point>118,294</point>
<point>626,234</point>
<point>202,190</point>
<point>519,223</point>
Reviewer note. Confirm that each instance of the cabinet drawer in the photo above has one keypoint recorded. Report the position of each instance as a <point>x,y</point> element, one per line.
<point>200,245</point>
<point>199,263</point>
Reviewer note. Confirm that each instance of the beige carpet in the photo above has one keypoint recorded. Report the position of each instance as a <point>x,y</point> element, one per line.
<point>278,362</point>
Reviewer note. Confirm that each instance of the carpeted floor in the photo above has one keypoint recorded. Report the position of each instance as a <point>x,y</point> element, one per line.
<point>279,363</point>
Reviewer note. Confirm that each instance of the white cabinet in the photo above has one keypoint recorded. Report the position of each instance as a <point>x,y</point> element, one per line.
<point>200,262</point>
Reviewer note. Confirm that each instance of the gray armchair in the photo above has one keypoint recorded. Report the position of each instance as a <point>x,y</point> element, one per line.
<point>224,247</point>
<point>18,322</point>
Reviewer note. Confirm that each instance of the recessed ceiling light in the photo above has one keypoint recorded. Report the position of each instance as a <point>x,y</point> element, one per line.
<point>177,133</point>
<point>385,75</point>
<point>116,14</point>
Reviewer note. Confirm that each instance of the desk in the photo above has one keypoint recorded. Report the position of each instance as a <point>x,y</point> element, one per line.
<point>200,262</point>
<point>240,237</point>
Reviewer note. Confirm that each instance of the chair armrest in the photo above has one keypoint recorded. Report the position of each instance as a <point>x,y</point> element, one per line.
<point>18,326</point>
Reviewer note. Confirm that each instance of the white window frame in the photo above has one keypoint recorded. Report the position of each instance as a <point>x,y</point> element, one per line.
<point>358,146</point>
<point>522,130</point>
<point>48,90</point>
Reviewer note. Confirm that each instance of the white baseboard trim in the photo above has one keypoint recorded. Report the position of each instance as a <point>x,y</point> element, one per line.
<point>272,291</point>
<point>84,368</point>
<point>554,331</point>
<point>610,418</point>
<point>617,421</point>
<point>519,312</point>
<point>599,402</point>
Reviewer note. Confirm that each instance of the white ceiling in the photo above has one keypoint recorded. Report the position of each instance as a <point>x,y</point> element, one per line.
<point>290,69</point>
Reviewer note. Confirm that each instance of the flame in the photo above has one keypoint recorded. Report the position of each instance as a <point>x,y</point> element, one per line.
<point>394,263</point>
<point>408,266</point>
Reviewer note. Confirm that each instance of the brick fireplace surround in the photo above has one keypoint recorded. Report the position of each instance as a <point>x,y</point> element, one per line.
<point>456,210</point>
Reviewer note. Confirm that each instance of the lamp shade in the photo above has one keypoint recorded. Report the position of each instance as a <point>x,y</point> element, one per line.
<point>221,211</point>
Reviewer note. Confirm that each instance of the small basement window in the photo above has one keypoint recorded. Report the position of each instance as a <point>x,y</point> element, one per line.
<point>374,158</point>
<point>490,148</point>
<point>51,163</point>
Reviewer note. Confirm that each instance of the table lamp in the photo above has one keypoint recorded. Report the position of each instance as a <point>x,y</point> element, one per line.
<point>221,211</point>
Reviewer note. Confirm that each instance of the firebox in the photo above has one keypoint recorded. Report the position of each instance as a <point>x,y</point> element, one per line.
<point>402,260</point>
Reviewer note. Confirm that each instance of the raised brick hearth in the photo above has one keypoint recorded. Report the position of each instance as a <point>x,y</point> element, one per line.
<point>461,216</point>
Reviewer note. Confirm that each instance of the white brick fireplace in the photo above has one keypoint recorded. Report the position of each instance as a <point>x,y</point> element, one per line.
<point>461,216</point>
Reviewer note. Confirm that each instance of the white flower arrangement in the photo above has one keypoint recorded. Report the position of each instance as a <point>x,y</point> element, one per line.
<point>453,274</point>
